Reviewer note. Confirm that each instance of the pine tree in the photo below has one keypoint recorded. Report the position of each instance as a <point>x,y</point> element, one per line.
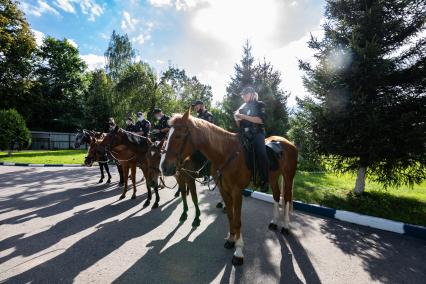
<point>369,88</point>
<point>266,82</point>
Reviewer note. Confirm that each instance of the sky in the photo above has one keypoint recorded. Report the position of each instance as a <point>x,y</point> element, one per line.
<point>203,37</point>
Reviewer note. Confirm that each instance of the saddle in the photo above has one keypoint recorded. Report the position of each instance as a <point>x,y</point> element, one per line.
<point>274,153</point>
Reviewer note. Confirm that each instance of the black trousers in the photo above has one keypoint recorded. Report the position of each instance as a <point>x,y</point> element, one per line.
<point>262,158</point>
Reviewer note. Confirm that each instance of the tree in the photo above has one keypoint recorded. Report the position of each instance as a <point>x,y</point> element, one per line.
<point>61,86</point>
<point>266,81</point>
<point>243,77</point>
<point>186,89</point>
<point>17,46</point>
<point>369,89</point>
<point>13,130</point>
<point>302,134</point>
<point>98,101</point>
<point>118,55</point>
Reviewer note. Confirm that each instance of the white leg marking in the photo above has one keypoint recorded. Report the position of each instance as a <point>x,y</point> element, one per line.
<point>287,215</point>
<point>276,212</point>
<point>163,155</point>
<point>239,245</point>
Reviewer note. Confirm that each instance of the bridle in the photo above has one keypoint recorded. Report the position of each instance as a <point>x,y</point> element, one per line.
<point>178,154</point>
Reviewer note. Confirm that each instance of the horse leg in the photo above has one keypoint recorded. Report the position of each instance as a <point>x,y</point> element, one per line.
<point>101,168</point>
<point>126,179</point>
<point>148,187</point>
<point>154,182</point>
<point>237,200</point>
<point>182,189</point>
<point>230,241</point>
<point>287,201</point>
<point>108,173</point>
<point>133,167</point>
<point>276,192</point>
<point>120,172</point>
<point>194,196</point>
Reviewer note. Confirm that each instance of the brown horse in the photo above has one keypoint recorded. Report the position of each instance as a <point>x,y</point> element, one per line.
<point>130,150</point>
<point>188,134</point>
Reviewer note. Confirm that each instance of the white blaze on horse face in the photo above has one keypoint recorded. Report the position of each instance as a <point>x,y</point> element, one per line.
<point>164,153</point>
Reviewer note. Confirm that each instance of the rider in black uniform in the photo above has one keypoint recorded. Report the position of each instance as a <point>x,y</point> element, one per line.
<point>130,125</point>
<point>202,112</point>
<point>142,126</point>
<point>161,127</point>
<point>250,118</point>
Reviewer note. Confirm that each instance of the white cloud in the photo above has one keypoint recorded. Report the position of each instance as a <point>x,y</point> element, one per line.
<point>65,5</point>
<point>93,61</point>
<point>72,42</point>
<point>91,8</point>
<point>40,8</point>
<point>87,7</point>
<point>139,39</point>
<point>38,37</point>
<point>214,33</point>
<point>128,23</point>
<point>160,3</point>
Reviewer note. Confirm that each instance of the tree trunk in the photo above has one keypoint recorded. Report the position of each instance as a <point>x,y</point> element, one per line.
<point>9,153</point>
<point>360,180</point>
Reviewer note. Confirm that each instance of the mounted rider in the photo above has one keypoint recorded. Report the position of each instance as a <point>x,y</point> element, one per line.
<point>202,111</point>
<point>130,126</point>
<point>142,126</point>
<point>250,119</point>
<point>162,127</point>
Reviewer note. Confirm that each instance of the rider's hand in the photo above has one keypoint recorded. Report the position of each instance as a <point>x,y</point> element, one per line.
<point>155,131</point>
<point>239,116</point>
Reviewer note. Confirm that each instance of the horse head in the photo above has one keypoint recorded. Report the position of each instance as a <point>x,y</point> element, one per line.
<point>179,144</point>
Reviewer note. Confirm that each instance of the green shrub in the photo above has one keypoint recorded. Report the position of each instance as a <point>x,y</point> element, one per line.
<point>13,130</point>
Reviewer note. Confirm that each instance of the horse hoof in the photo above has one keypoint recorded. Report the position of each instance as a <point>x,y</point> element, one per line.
<point>237,261</point>
<point>109,180</point>
<point>177,194</point>
<point>100,181</point>
<point>122,197</point>
<point>285,231</point>
<point>272,227</point>
<point>120,183</point>
<point>183,217</point>
<point>196,222</point>
<point>219,205</point>
<point>229,244</point>
<point>155,205</point>
<point>133,196</point>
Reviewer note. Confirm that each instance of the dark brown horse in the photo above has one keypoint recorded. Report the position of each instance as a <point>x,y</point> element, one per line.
<point>85,137</point>
<point>131,151</point>
<point>229,167</point>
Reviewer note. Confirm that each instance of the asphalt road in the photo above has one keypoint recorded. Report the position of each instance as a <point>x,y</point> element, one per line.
<point>58,226</point>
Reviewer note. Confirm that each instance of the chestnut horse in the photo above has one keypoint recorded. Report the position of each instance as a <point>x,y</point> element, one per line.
<point>229,168</point>
<point>130,150</point>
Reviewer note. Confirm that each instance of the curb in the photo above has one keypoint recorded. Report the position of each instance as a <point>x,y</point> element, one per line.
<point>39,165</point>
<point>347,216</point>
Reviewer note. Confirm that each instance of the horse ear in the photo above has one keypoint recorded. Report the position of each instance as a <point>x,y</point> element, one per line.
<point>186,114</point>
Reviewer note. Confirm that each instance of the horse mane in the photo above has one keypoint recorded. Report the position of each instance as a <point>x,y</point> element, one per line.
<point>213,134</point>
<point>135,138</point>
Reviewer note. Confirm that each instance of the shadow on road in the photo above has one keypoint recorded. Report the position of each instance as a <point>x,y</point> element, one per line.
<point>387,257</point>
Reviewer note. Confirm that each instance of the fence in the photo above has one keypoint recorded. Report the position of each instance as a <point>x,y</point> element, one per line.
<point>53,140</point>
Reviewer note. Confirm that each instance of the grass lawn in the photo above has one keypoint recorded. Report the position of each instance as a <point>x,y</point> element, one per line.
<point>401,204</point>
<point>45,157</point>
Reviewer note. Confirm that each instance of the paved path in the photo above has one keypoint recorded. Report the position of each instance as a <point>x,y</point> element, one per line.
<point>59,226</point>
